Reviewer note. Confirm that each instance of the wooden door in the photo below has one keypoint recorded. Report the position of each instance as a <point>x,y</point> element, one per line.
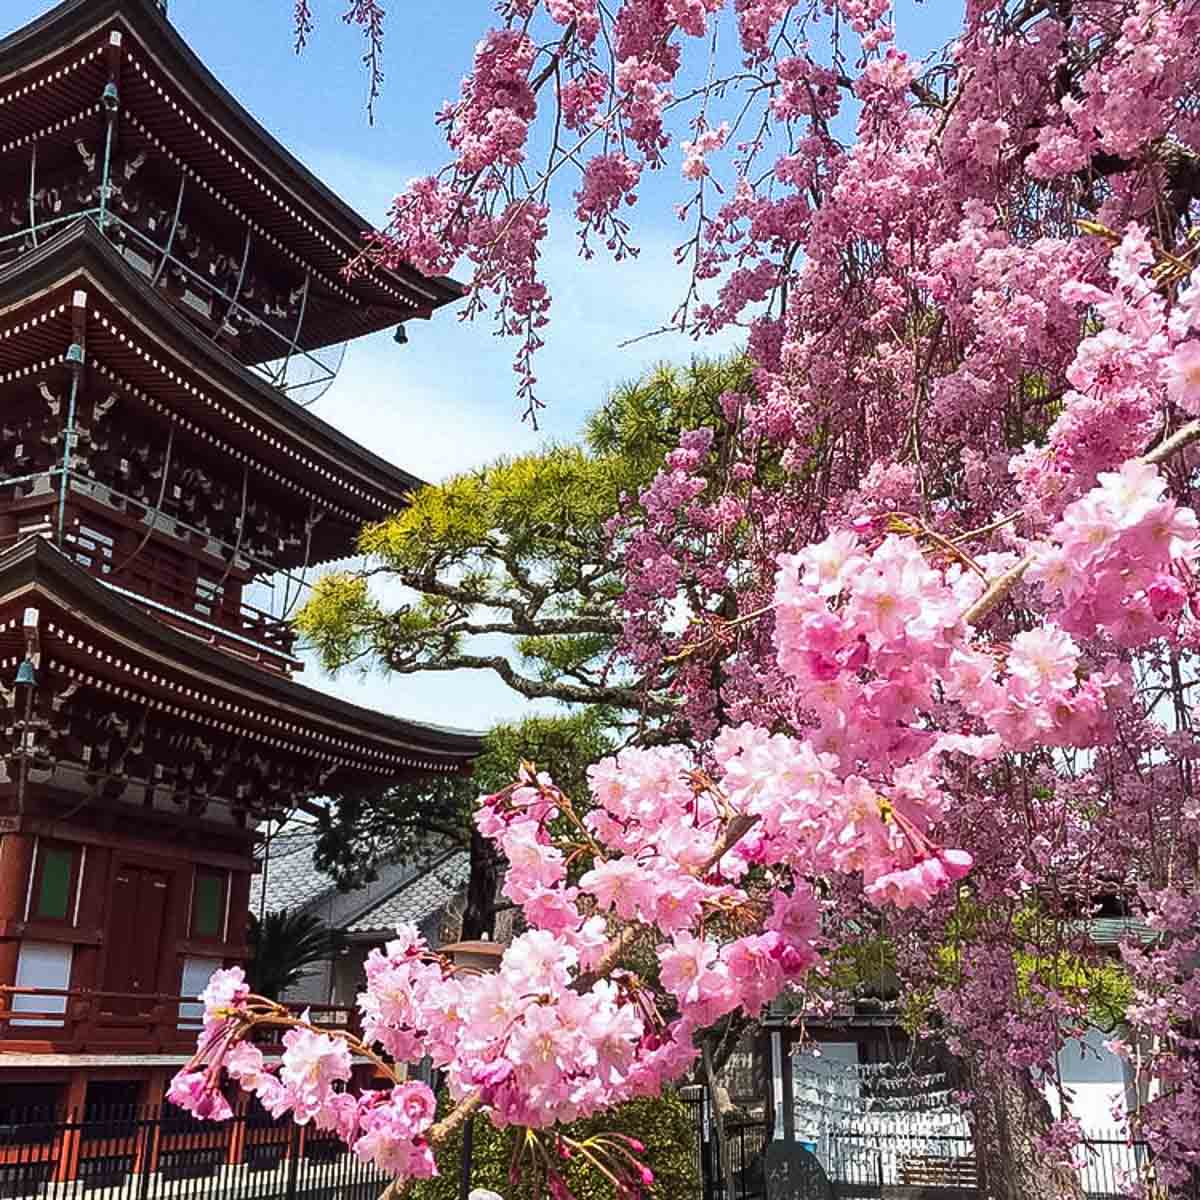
<point>136,917</point>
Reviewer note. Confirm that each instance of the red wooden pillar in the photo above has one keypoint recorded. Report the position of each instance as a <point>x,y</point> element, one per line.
<point>68,1150</point>
<point>236,1147</point>
<point>150,1142</point>
<point>239,911</point>
<point>16,862</point>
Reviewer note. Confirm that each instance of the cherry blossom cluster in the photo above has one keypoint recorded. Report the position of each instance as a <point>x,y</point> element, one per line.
<point>611,73</point>
<point>1116,394</point>
<point>680,854</point>
<point>560,1030</point>
<point>1123,558</point>
<point>864,646</point>
<point>385,1127</point>
<point>1166,999</point>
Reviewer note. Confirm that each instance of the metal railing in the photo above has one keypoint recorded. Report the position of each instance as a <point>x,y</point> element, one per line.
<point>871,1165</point>
<point>131,1152</point>
<point>145,580</point>
<point>215,308</point>
<point>745,1141</point>
<point>83,1020</point>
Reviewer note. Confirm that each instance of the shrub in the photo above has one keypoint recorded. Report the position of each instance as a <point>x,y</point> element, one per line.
<point>665,1126</point>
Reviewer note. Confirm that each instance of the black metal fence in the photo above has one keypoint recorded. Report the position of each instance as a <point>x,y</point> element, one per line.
<point>135,1153</point>
<point>745,1140</point>
<point>868,1164</point>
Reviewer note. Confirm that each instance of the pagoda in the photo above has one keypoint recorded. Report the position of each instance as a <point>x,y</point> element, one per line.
<point>173,297</point>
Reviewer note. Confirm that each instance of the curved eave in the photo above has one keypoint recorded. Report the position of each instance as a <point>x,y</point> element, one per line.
<point>81,251</point>
<point>36,568</point>
<point>73,20</point>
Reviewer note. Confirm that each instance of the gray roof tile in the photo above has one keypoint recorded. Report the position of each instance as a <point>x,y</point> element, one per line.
<point>418,899</point>
<point>292,880</point>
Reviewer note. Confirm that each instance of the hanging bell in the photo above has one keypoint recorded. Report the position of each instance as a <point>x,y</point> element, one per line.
<point>26,674</point>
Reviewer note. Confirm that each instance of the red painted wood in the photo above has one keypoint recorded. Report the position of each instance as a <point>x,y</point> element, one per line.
<point>137,910</point>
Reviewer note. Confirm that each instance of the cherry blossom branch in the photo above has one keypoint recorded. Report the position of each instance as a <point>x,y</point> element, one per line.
<point>1001,587</point>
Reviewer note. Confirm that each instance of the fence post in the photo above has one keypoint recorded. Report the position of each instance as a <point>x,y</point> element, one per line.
<point>70,1140</point>
<point>705,1147</point>
<point>468,1151</point>
<point>151,1126</point>
<point>235,1151</point>
<point>293,1160</point>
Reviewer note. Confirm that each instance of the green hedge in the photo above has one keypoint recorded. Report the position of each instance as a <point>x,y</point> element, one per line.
<point>665,1126</point>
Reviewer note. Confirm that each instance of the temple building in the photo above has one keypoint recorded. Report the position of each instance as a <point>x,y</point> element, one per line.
<point>172,299</point>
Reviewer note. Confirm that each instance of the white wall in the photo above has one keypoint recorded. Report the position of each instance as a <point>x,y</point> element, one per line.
<point>196,974</point>
<point>1095,1080</point>
<point>42,965</point>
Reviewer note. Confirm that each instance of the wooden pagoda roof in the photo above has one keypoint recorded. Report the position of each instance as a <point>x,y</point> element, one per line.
<point>54,70</point>
<point>143,345</point>
<point>104,640</point>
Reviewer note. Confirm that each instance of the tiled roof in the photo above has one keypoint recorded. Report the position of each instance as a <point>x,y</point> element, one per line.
<point>420,898</point>
<point>292,880</point>
<point>294,883</point>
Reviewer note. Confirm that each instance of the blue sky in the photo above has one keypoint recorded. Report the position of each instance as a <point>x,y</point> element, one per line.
<point>446,402</point>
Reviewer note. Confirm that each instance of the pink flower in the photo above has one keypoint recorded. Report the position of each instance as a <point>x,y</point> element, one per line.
<point>552,909</point>
<point>538,960</point>
<point>197,1093</point>
<point>910,886</point>
<point>684,964</point>
<point>273,1096</point>
<point>532,861</point>
<point>1182,373</point>
<point>1168,597</point>
<point>311,1063</point>
<point>677,902</point>
<point>795,916</point>
<point>755,973</point>
<point>245,1063</point>
<point>415,1105</point>
<point>694,166</point>
<point>339,1114</point>
<point>225,991</point>
<point>540,1046</point>
<point>620,884</point>
<point>1044,658</point>
<point>385,1140</point>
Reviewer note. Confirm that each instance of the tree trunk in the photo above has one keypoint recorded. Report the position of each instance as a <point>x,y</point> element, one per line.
<point>479,918</point>
<point>1009,1116</point>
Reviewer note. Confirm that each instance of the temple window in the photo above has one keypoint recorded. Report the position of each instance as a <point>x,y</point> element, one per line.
<point>208,906</point>
<point>55,883</point>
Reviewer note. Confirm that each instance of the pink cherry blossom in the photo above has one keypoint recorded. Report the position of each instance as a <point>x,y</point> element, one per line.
<point>311,1063</point>
<point>1182,371</point>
